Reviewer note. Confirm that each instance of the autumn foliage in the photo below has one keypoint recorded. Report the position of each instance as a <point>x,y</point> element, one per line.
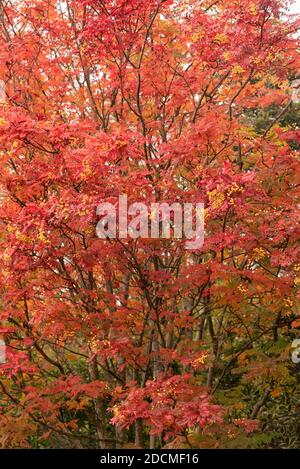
<point>142,343</point>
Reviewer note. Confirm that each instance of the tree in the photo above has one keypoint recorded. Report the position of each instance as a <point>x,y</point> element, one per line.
<point>141,342</point>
